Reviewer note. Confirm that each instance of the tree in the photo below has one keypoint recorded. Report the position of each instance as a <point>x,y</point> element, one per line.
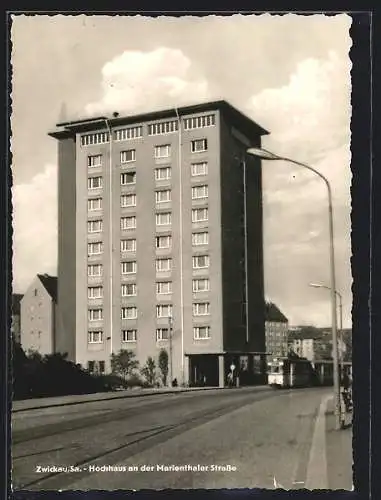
<point>124,363</point>
<point>163,365</point>
<point>149,371</point>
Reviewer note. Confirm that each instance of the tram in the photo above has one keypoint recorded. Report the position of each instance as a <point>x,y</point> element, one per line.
<point>291,373</point>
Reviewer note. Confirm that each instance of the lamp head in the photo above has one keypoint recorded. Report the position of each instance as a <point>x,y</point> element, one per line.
<point>263,154</point>
<point>316,285</point>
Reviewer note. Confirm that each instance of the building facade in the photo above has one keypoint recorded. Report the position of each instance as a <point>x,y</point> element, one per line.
<point>160,223</point>
<point>276,328</point>
<point>38,315</point>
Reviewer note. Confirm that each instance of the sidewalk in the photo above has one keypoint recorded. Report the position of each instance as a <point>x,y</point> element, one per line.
<point>338,450</point>
<point>37,403</point>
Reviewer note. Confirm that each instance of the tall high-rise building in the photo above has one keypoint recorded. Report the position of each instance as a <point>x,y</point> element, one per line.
<point>159,238</point>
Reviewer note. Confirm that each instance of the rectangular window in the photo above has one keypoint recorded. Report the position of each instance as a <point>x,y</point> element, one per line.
<point>199,192</point>
<point>94,161</point>
<point>128,267</point>
<point>200,261</point>
<point>129,335</point>
<point>90,364</point>
<point>163,196</point>
<point>94,270</point>
<point>201,285</point>
<point>200,239</point>
<point>92,139</point>
<point>163,219</point>
<point>94,204</point>
<point>127,156</point>
<point>128,245</point>
<point>201,309</point>
<point>199,122</point>
<point>199,214</point>
<point>94,182</point>
<point>129,133</point>
<point>101,366</point>
<point>129,290</point>
<point>95,248</point>
<point>129,312</point>
<point>163,127</point>
<point>127,178</point>
<point>95,314</point>
<point>94,337</point>
<point>164,287</point>
<point>127,223</point>
<point>162,334</point>
<point>163,241</point>
<point>199,145</point>
<point>163,265</point>
<point>163,151</point>
<point>128,200</point>
<point>163,174</point>
<point>164,311</point>
<point>201,332</point>
<point>94,292</point>
<point>94,226</point>
<point>199,169</point>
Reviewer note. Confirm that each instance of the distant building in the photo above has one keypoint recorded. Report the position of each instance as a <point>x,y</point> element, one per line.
<point>276,328</point>
<point>314,343</point>
<point>15,315</point>
<point>38,311</point>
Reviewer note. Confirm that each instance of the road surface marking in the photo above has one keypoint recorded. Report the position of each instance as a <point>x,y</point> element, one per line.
<point>317,476</point>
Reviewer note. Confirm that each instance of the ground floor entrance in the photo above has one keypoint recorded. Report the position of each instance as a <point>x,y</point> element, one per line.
<point>223,369</point>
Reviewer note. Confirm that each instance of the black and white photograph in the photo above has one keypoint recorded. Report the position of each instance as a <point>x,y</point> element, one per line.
<point>182,284</point>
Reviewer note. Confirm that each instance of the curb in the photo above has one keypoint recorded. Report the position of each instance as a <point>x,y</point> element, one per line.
<point>124,396</point>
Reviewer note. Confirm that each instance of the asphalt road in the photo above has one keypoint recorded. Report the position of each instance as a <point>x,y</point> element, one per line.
<point>237,438</point>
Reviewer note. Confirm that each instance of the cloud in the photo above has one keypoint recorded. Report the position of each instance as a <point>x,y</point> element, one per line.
<point>34,228</point>
<point>137,81</point>
<point>309,120</point>
<point>311,114</point>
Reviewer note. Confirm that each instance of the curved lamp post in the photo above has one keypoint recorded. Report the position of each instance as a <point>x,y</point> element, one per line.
<point>268,155</point>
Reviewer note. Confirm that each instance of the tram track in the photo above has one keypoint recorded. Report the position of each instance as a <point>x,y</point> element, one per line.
<point>151,437</point>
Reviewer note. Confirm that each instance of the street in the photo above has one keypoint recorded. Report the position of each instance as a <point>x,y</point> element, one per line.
<point>238,438</point>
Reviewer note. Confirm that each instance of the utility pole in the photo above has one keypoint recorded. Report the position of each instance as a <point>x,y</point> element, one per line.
<point>170,321</point>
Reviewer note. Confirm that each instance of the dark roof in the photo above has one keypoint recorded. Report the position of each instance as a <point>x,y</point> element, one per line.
<point>50,284</point>
<point>273,313</point>
<point>16,298</point>
<point>243,122</point>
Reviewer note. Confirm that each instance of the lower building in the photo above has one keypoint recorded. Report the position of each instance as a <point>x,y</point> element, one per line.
<point>38,312</point>
<point>276,328</point>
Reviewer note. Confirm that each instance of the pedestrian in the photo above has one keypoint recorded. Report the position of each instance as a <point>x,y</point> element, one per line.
<point>345,384</point>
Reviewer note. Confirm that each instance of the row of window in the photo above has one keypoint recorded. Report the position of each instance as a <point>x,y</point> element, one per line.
<point>126,178</point>
<point>136,132</point>
<point>130,290</point>
<point>161,151</point>
<point>199,333</point>
<point>129,245</point>
<point>162,311</point>
<point>198,262</point>
<point>162,219</point>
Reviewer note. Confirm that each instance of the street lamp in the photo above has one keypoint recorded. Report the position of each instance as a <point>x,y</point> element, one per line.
<point>170,322</point>
<point>268,155</point>
<point>319,285</point>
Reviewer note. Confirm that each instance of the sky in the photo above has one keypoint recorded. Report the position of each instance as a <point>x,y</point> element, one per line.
<point>290,74</point>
